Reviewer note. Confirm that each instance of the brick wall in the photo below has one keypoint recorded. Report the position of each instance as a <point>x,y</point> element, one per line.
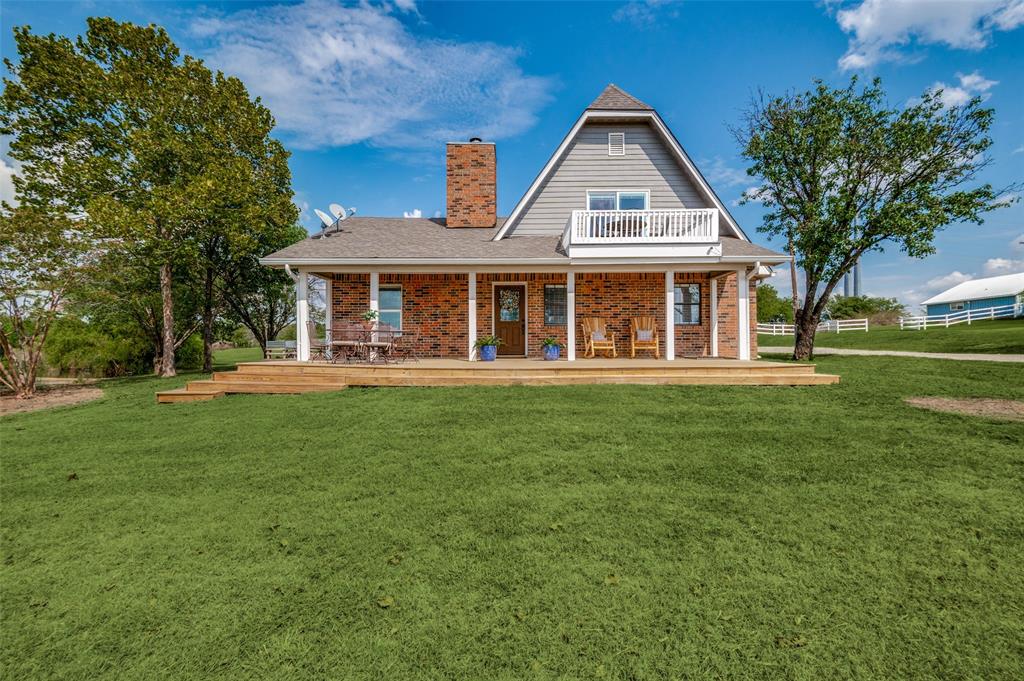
<point>472,185</point>
<point>434,308</point>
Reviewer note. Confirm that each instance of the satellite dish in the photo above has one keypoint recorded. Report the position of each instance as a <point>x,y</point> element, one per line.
<point>324,217</point>
<point>338,211</point>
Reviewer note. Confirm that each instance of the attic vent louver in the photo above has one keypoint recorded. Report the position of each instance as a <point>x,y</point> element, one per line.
<point>616,144</point>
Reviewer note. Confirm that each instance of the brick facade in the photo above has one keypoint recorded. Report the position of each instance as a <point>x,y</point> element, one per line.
<point>434,307</point>
<point>472,185</point>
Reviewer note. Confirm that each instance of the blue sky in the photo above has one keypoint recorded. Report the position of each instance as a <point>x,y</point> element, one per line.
<point>366,95</point>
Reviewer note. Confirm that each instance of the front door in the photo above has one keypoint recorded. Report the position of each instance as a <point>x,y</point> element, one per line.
<point>510,319</point>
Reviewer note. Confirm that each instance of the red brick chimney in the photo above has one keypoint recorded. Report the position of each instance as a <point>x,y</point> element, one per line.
<point>472,184</point>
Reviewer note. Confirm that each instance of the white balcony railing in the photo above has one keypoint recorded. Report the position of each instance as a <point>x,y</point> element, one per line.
<point>684,226</point>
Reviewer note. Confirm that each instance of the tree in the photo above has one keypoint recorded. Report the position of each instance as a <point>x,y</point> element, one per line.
<point>43,258</point>
<point>841,174</point>
<point>859,307</point>
<point>106,128</point>
<point>770,307</point>
<point>262,299</point>
<point>245,206</point>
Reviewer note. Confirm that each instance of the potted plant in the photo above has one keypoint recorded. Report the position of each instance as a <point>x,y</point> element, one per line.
<point>487,347</point>
<point>551,348</point>
<point>368,318</point>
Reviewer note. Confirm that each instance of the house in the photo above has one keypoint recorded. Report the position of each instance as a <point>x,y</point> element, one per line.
<point>619,223</point>
<point>980,294</point>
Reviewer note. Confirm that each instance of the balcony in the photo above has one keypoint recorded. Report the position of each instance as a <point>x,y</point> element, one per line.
<point>643,233</point>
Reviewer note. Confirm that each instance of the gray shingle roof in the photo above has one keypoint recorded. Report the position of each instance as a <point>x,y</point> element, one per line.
<point>615,98</point>
<point>367,238</point>
<point>419,238</point>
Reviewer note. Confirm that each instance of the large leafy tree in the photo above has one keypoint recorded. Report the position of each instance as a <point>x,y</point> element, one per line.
<point>842,174</point>
<point>153,152</point>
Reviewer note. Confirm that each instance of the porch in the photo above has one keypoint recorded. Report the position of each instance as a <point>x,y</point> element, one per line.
<point>695,312</point>
<point>289,376</point>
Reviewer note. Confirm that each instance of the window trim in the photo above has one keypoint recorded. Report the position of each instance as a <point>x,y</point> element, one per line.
<point>618,193</point>
<point>958,307</point>
<point>565,316</point>
<point>401,303</point>
<point>622,143</point>
<point>700,303</point>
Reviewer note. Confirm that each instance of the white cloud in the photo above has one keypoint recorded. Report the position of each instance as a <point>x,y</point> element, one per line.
<point>7,172</point>
<point>971,85</point>
<point>336,75</point>
<point>644,13</point>
<point>1019,150</point>
<point>995,266</point>
<point>947,281</point>
<point>414,213</point>
<point>880,29</point>
<point>718,172</point>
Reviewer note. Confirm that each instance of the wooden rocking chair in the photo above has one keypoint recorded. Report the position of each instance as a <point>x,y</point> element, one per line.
<point>643,332</point>
<point>597,337</point>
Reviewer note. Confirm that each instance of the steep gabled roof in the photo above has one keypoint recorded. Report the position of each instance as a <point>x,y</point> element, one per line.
<point>980,289</point>
<point>615,103</point>
<point>613,98</point>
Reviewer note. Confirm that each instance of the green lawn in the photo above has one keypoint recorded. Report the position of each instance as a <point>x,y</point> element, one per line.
<point>588,532</point>
<point>227,359</point>
<point>1000,336</point>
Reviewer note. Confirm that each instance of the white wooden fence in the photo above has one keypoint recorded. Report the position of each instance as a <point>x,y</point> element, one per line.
<point>832,325</point>
<point>922,322</point>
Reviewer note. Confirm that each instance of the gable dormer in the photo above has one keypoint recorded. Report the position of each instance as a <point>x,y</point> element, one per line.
<point>618,155</point>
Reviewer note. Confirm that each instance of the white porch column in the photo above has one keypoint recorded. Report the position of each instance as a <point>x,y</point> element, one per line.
<point>714,315</point>
<point>670,316</point>
<point>471,330</point>
<point>570,316</point>
<point>375,297</point>
<point>328,305</point>
<point>743,313</point>
<point>302,317</point>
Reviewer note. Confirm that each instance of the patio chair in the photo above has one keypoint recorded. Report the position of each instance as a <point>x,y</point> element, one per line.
<point>597,337</point>
<point>318,349</point>
<point>643,335</point>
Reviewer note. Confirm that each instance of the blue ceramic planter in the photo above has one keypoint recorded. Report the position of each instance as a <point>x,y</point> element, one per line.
<point>488,352</point>
<point>551,352</point>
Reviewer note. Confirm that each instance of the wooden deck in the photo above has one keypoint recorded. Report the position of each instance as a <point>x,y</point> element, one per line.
<point>278,376</point>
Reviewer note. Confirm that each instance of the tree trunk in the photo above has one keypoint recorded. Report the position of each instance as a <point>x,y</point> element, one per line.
<point>806,325</point>
<point>167,299</point>
<point>793,279</point>
<point>208,322</point>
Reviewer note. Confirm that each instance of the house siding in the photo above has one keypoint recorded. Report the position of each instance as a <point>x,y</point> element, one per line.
<point>980,304</point>
<point>648,164</point>
<point>434,308</point>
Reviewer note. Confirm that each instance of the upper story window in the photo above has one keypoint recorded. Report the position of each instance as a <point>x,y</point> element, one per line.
<point>618,200</point>
<point>616,144</point>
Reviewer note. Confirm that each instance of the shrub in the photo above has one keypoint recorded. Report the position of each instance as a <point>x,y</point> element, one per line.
<point>772,308</point>
<point>190,353</point>
<point>76,348</point>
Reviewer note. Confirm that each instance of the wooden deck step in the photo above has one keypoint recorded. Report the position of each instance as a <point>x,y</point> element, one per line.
<point>281,387</point>
<point>187,395</point>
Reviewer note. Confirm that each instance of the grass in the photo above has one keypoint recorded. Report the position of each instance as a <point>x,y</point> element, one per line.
<point>227,359</point>
<point>999,336</point>
<point>607,532</point>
